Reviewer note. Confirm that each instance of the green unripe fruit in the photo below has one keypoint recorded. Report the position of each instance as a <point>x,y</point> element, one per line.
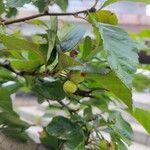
<point>69,87</point>
<point>104,145</point>
<point>76,77</point>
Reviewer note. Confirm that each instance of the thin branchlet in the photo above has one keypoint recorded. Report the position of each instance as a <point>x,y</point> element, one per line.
<point>46,13</point>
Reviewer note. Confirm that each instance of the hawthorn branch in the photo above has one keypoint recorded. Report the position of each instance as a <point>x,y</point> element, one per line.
<point>86,11</point>
<point>71,111</point>
<point>84,93</point>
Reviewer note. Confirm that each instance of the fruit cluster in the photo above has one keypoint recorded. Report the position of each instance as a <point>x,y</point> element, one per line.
<point>74,78</point>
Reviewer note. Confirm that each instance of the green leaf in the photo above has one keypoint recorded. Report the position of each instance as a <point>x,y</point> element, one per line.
<point>25,60</point>
<point>141,82</point>
<point>2,7</point>
<point>108,2</point>
<point>113,84</point>
<point>140,1</point>
<point>49,141</point>
<point>96,46</point>
<point>11,12</point>
<point>121,126</point>
<point>88,114</point>
<point>64,62</point>
<point>49,90</point>
<point>142,116</point>
<point>122,54</point>
<point>39,40</point>
<point>81,146</point>
<point>16,134</point>
<point>52,34</point>
<point>6,75</point>
<point>121,145</point>
<point>25,65</point>
<point>100,101</point>
<point>63,4</point>
<point>105,16</point>
<point>71,37</point>
<point>53,56</point>
<point>38,22</point>
<point>22,44</point>
<point>41,4</point>
<point>72,145</point>
<point>87,47</point>
<point>13,120</point>
<point>64,129</point>
<point>143,34</point>
<point>89,68</point>
<point>12,88</point>
<point>5,101</point>
<point>17,3</point>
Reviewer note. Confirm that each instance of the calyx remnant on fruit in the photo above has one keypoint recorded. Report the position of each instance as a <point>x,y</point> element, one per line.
<point>69,87</point>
